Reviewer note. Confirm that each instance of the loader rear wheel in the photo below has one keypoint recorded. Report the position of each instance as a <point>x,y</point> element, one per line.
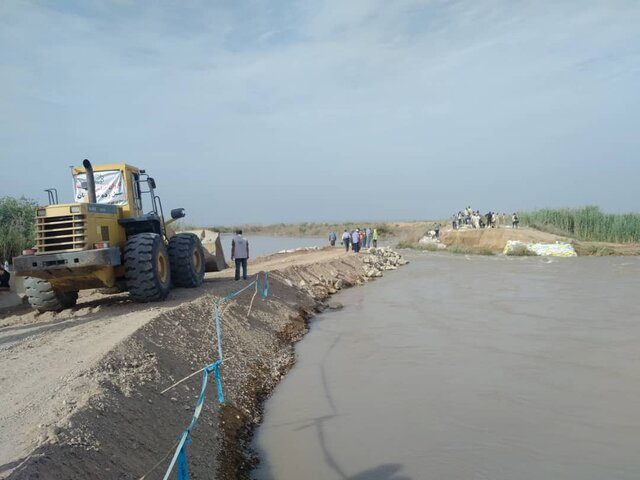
<point>44,298</point>
<point>187,260</point>
<point>146,267</point>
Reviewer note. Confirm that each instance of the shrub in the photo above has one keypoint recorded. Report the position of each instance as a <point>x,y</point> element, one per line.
<point>460,249</point>
<point>17,226</point>
<point>520,251</point>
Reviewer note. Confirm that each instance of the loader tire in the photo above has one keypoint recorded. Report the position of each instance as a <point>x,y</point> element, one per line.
<point>44,298</point>
<point>186,255</point>
<point>146,268</point>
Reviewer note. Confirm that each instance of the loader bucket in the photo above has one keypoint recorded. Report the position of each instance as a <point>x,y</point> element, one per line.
<point>214,256</point>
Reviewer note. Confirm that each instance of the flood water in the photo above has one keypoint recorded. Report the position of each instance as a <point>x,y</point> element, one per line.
<point>260,245</point>
<point>467,368</point>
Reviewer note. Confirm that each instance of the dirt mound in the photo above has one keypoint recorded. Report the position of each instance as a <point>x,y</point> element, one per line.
<point>494,238</point>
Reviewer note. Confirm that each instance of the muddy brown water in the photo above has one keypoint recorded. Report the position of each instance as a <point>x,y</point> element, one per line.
<point>467,368</point>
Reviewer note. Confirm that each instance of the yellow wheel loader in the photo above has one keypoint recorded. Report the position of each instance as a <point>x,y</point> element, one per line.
<point>106,240</point>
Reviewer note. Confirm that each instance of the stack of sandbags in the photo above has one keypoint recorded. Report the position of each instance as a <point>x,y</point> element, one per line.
<point>558,249</point>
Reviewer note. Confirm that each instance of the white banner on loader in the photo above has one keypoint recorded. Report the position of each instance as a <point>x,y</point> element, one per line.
<point>109,187</point>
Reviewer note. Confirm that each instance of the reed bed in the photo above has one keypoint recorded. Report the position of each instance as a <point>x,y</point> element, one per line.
<point>587,223</point>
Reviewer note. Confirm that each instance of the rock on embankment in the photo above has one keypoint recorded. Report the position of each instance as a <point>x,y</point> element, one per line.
<point>129,426</point>
<point>377,260</point>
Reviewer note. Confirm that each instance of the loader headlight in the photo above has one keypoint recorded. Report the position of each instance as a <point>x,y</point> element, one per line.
<point>41,212</point>
<point>75,209</point>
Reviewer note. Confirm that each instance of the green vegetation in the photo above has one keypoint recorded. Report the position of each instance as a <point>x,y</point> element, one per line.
<point>429,247</point>
<point>464,250</point>
<point>587,223</point>
<point>460,249</point>
<point>17,226</point>
<point>483,251</point>
<point>598,250</point>
<point>520,251</point>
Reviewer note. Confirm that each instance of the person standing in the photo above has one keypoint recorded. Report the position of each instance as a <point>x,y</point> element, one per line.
<point>367,236</point>
<point>489,217</point>
<point>375,237</point>
<point>240,253</point>
<point>332,238</point>
<point>346,240</point>
<point>355,240</point>
<point>5,276</point>
<point>514,220</point>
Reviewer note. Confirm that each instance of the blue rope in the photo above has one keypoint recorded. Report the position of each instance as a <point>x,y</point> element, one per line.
<point>180,455</point>
<point>216,315</point>
<point>183,470</point>
<point>264,291</point>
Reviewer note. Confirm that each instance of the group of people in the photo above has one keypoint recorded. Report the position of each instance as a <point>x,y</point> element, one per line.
<point>356,239</point>
<point>473,219</point>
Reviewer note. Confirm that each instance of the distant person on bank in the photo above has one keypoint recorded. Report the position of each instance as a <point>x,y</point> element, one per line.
<point>5,276</point>
<point>514,220</point>
<point>355,240</point>
<point>240,253</point>
<point>374,236</point>
<point>332,238</point>
<point>346,240</point>
<point>367,237</point>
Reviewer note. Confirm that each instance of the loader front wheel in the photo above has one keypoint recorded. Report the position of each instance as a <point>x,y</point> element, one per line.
<point>44,298</point>
<point>187,260</point>
<point>146,268</point>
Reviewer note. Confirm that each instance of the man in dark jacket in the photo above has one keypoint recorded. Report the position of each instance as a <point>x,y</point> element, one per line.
<point>4,277</point>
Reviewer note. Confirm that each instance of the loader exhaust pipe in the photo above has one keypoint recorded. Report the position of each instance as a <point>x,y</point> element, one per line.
<point>91,183</point>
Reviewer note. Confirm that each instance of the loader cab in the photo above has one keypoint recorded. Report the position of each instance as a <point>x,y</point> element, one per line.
<point>115,184</point>
<point>129,189</point>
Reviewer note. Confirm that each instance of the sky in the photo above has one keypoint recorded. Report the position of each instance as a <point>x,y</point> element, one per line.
<point>330,110</point>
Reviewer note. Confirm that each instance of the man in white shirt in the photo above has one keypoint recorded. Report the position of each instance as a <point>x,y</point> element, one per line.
<point>346,240</point>
<point>355,240</point>
<point>240,253</point>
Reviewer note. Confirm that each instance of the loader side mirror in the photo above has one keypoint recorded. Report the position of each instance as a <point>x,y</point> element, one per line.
<point>152,182</point>
<point>177,213</point>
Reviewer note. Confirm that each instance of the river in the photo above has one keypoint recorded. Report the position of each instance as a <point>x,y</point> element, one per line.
<point>460,367</point>
<point>260,245</point>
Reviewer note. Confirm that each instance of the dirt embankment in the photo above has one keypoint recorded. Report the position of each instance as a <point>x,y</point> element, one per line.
<point>495,239</point>
<point>82,389</point>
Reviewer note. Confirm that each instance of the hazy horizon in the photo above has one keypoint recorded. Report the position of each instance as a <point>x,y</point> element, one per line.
<point>290,111</point>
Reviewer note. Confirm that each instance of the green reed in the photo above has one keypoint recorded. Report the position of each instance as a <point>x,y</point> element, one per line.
<point>587,223</point>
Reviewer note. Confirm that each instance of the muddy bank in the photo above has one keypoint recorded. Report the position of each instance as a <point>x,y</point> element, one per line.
<point>119,425</point>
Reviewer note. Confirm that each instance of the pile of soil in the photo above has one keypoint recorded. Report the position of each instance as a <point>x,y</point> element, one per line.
<point>111,420</point>
<point>494,238</point>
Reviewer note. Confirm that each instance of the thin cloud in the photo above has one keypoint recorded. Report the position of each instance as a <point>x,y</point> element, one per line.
<point>409,98</point>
